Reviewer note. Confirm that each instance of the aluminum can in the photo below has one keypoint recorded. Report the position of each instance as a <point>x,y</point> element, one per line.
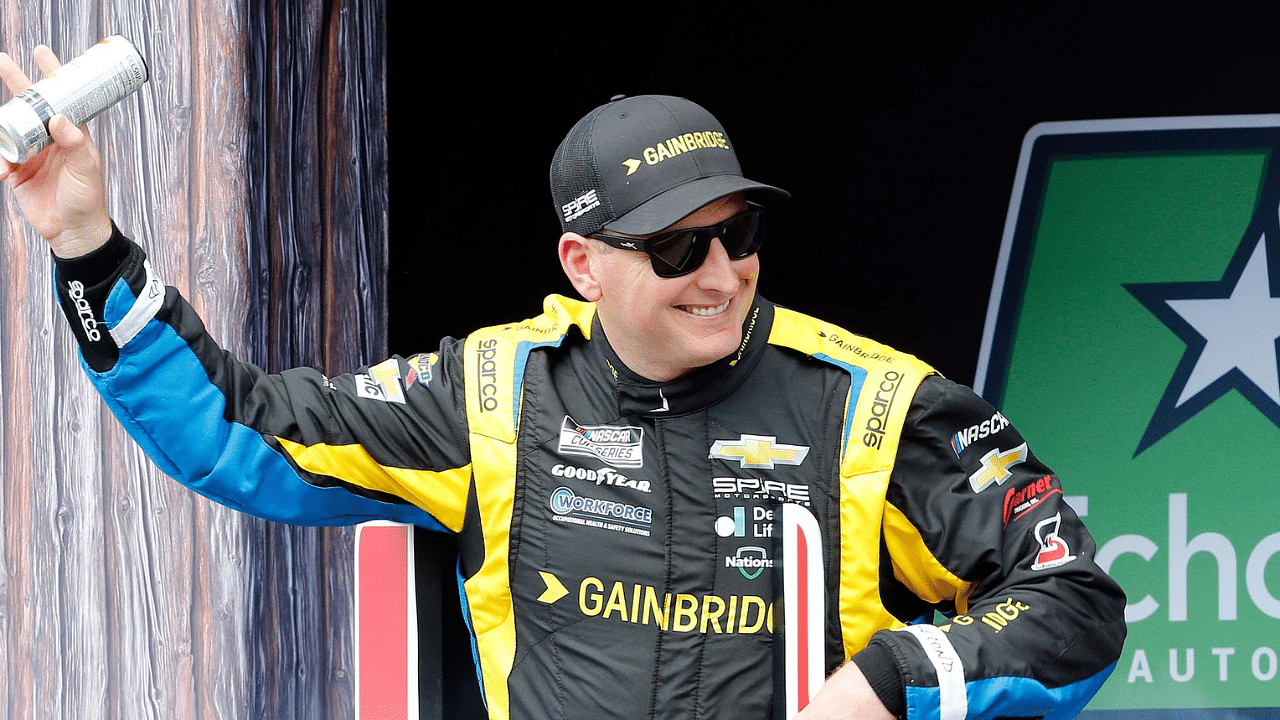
<point>102,76</point>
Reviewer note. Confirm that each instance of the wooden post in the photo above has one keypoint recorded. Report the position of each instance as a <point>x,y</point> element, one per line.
<point>252,169</point>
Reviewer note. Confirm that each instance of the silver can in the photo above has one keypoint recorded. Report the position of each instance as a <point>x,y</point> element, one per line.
<point>102,76</point>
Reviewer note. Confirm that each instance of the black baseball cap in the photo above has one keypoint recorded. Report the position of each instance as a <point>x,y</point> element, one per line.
<point>636,165</point>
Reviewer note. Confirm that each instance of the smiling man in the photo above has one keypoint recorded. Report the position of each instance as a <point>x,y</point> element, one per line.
<point>611,468</point>
<point>663,327</point>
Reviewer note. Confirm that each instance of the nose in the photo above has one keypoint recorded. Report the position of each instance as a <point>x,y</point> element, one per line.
<point>719,271</point>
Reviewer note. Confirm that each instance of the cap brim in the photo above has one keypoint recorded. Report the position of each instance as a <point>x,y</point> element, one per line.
<point>677,203</point>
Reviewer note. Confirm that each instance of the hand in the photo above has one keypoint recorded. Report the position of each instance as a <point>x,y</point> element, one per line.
<point>846,696</point>
<point>60,191</point>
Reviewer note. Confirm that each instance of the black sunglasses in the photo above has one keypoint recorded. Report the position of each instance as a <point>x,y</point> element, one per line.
<point>680,252</point>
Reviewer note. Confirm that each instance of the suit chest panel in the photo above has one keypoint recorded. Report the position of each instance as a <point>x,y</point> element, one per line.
<point>666,523</point>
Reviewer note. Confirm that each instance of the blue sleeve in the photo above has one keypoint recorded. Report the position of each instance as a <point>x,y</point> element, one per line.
<point>297,447</point>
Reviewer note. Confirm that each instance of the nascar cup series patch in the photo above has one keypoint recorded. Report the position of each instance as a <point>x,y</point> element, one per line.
<point>1132,337</point>
<point>618,445</point>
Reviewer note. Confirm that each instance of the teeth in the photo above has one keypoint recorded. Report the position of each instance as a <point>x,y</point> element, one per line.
<point>707,312</point>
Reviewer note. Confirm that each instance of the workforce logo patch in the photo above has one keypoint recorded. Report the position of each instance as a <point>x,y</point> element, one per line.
<point>1132,338</point>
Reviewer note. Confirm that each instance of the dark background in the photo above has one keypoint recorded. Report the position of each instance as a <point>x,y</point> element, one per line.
<point>896,128</point>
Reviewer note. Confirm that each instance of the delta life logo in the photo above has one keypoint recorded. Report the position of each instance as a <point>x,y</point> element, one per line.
<point>619,446</point>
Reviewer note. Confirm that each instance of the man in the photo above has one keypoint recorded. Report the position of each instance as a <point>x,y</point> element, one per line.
<point>610,467</point>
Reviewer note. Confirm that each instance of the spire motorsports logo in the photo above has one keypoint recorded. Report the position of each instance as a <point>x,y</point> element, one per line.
<point>1132,339</point>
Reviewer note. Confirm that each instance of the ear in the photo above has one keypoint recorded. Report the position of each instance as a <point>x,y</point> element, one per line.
<point>577,259</point>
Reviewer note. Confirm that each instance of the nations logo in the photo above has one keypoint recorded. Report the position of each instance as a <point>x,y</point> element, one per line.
<point>750,560</point>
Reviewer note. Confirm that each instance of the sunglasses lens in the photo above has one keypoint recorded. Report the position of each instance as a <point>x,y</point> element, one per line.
<point>678,253</point>
<point>683,251</point>
<point>742,235</point>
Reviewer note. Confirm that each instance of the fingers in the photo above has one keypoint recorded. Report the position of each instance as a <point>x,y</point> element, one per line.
<point>16,80</point>
<point>46,60</point>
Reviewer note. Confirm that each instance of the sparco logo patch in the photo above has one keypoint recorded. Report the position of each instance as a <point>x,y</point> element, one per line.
<point>620,446</point>
<point>487,364</point>
<point>87,320</point>
<point>880,405</point>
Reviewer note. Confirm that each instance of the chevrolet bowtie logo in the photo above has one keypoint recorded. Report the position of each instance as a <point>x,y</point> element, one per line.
<point>995,467</point>
<point>758,451</point>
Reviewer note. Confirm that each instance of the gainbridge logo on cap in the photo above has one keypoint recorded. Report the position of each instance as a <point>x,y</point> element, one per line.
<point>1132,337</point>
<point>674,147</point>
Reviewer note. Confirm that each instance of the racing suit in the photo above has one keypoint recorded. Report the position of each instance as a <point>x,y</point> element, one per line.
<point>614,532</point>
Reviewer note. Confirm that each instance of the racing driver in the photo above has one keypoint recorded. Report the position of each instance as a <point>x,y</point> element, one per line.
<point>610,467</point>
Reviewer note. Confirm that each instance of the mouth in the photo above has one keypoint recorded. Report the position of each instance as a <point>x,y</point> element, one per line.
<point>704,311</point>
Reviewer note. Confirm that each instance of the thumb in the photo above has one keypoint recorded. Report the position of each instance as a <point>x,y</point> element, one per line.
<point>80,155</point>
<point>81,200</point>
<point>65,133</point>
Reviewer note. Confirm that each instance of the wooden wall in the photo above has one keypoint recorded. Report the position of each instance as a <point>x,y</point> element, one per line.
<point>252,168</point>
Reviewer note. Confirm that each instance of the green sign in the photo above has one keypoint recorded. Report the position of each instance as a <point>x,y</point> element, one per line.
<point>1132,338</point>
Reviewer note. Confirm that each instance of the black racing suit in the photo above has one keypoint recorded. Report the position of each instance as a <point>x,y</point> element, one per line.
<point>615,532</point>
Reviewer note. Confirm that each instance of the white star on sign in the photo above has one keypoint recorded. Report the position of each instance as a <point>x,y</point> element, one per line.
<point>1230,327</point>
<point>1240,331</point>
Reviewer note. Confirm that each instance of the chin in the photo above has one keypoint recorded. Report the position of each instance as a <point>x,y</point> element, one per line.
<point>718,347</point>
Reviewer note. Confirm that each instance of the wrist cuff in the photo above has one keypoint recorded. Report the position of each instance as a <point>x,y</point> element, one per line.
<point>877,663</point>
<point>98,266</point>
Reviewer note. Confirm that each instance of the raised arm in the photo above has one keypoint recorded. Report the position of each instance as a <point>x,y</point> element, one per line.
<point>60,191</point>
